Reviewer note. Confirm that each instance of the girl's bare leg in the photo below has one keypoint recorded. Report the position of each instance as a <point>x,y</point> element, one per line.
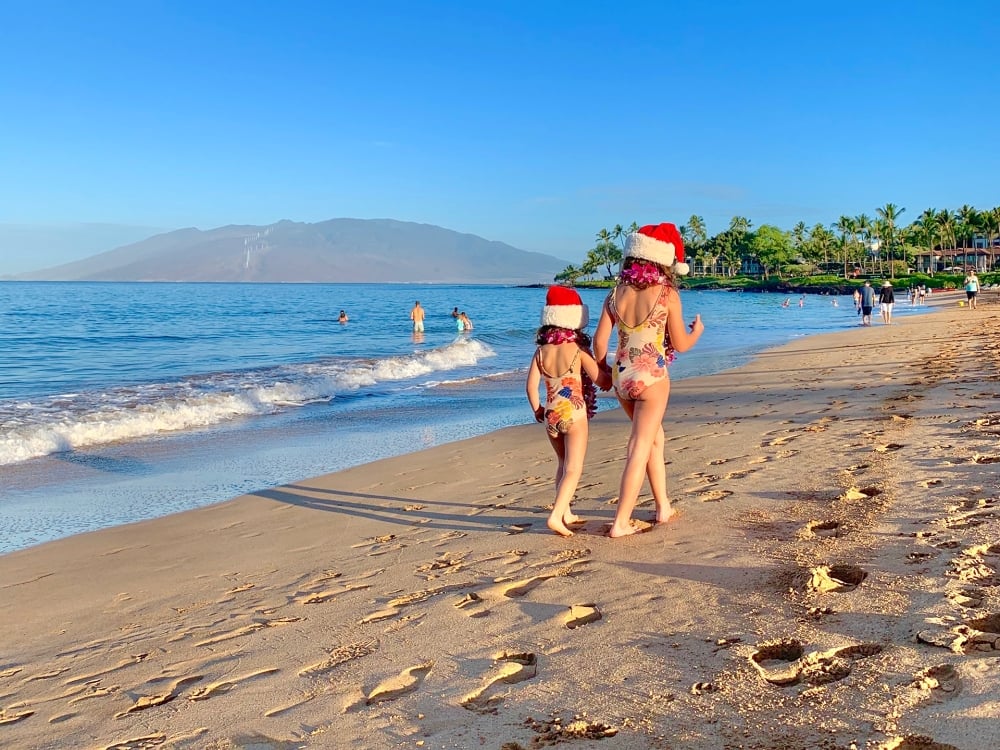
<point>656,473</point>
<point>571,449</point>
<point>647,423</point>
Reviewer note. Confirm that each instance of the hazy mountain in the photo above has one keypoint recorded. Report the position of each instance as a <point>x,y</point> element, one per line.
<point>338,250</point>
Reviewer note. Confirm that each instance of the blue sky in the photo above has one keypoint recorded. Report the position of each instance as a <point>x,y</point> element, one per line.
<point>536,124</point>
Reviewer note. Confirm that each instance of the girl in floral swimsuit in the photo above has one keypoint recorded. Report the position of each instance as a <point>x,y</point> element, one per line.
<point>645,307</point>
<point>564,364</point>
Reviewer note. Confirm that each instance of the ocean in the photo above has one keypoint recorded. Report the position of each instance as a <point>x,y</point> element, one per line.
<point>121,402</point>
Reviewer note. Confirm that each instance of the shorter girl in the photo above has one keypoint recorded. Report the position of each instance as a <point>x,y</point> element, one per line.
<point>564,362</point>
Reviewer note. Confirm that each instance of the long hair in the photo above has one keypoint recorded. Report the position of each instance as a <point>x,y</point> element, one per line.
<point>545,334</point>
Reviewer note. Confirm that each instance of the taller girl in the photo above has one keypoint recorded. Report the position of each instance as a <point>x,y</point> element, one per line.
<point>646,309</point>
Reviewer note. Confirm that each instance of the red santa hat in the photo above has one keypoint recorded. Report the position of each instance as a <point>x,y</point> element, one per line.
<point>564,308</point>
<point>660,243</point>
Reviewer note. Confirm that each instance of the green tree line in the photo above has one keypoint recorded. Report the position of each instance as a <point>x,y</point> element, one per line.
<point>853,244</point>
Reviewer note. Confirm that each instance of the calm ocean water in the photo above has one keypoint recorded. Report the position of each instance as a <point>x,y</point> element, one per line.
<point>120,402</point>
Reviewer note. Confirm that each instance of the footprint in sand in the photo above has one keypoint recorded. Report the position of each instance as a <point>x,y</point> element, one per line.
<point>713,496</point>
<point>888,447</point>
<point>512,668</point>
<point>777,662</point>
<point>405,682</point>
<point>582,614</point>
<point>784,662</point>
<point>340,655</point>
<point>979,635</point>
<point>942,678</point>
<point>150,701</point>
<point>969,597</point>
<point>824,529</point>
<point>914,742</point>
<point>473,605</point>
<point>778,441</point>
<point>927,483</point>
<point>13,718</point>
<point>247,630</point>
<point>224,686</point>
<point>835,578</point>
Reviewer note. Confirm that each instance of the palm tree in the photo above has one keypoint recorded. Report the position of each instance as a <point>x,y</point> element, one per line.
<point>991,228</point>
<point>619,235</point>
<point>929,228</point>
<point>846,226</point>
<point>890,213</point>
<point>967,221</point>
<point>864,228</point>
<point>946,228</point>
<point>740,225</point>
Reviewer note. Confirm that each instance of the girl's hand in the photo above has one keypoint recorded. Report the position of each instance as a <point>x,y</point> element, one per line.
<point>697,326</point>
<point>539,413</point>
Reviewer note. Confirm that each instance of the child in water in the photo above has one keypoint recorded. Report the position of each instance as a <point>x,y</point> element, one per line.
<point>564,363</point>
<point>645,307</point>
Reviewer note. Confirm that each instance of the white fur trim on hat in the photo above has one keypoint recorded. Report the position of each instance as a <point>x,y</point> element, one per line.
<point>661,244</point>
<point>574,317</point>
<point>564,308</point>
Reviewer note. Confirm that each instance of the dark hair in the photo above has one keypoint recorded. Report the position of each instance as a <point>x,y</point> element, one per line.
<point>581,337</point>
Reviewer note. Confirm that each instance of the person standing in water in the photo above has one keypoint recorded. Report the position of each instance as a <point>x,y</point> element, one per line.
<point>417,316</point>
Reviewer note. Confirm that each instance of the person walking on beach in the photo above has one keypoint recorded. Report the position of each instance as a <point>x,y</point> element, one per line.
<point>971,288</point>
<point>867,296</point>
<point>564,363</point>
<point>857,301</point>
<point>886,300</point>
<point>417,316</point>
<point>645,308</point>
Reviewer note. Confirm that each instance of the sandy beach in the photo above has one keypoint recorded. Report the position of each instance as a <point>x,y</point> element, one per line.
<point>831,581</point>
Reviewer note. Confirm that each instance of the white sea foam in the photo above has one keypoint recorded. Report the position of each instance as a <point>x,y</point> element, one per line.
<point>86,420</point>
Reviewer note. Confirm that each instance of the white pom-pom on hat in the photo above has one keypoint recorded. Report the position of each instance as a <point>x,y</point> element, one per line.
<point>565,309</point>
<point>660,243</point>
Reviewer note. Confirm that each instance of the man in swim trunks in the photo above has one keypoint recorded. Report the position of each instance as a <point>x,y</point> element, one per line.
<point>417,316</point>
<point>867,303</point>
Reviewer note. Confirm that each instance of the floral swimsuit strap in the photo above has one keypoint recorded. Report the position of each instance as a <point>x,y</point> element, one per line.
<point>618,317</point>
<point>541,367</point>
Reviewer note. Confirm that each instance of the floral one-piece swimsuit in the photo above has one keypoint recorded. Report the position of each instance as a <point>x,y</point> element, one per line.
<point>644,351</point>
<point>564,402</point>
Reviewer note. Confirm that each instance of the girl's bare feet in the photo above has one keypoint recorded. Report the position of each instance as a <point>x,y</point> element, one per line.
<point>665,514</point>
<point>558,526</point>
<point>617,531</point>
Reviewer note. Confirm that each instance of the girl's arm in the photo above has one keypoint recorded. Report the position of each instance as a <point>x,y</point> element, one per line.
<point>603,334</point>
<point>531,388</point>
<point>601,377</point>
<point>681,338</point>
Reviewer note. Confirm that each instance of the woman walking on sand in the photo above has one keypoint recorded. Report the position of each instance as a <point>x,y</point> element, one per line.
<point>645,307</point>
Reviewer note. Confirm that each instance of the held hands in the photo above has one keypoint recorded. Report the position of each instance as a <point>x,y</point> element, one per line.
<point>603,376</point>
<point>697,326</point>
<point>539,413</point>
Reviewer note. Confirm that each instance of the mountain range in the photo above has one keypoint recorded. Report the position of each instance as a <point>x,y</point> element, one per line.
<point>337,250</point>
